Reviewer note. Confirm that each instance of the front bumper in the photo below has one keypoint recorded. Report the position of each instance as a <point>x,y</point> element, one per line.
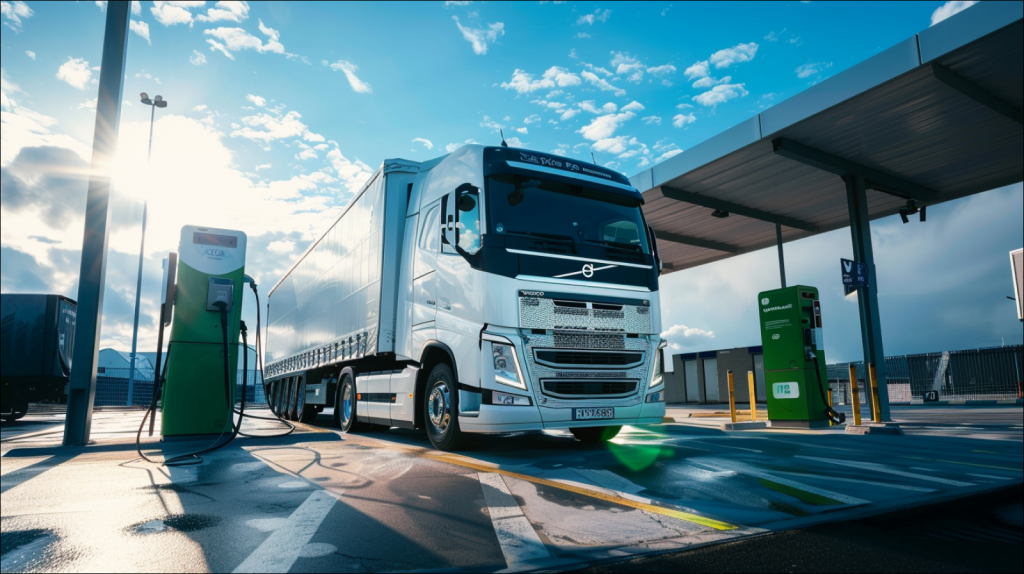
<point>502,419</point>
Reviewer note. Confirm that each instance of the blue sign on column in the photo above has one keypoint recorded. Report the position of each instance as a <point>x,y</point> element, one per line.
<point>855,275</point>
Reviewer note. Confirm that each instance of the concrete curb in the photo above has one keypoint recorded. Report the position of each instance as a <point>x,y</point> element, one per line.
<point>749,425</point>
<point>875,429</point>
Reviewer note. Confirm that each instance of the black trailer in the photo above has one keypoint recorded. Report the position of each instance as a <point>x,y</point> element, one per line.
<point>37,334</point>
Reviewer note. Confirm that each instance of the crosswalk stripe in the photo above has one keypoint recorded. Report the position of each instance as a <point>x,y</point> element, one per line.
<point>519,541</point>
<point>281,549</point>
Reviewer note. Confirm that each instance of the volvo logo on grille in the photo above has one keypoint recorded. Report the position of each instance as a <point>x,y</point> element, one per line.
<point>588,270</point>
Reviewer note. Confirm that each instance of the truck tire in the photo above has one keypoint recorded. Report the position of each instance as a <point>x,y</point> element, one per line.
<point>298,402</point>
<point>440,410</point>
<point>345,416</point>
<point>304,413</point>
<point>594,435</point>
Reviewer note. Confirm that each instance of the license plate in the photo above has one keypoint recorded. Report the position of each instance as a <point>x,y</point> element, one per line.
<point>592,414</point>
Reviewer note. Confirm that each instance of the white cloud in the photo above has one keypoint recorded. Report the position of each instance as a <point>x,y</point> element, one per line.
<point>515,142</point>
<point>614,145</point>
<point>281,247</point>
<point>569,114</point>
<point>720,94</point>
<point>681,120</point>
<point>14,12</point>
<point>710,81</point>
<point>684,106</point>
<point>426,143</point>
<point>534,118</point>
<point>597,16</point>
<point>601,83</point>
<point>353,173</point>
<point>450,3</point>
<point>88,105</point>
<point>480,37</point>
<point>652,120</point>
<point>264,166</point>
<point>563,149</point>
<point>199,108</point>
<point>557,106</point>
<point>633,107</point>
<point>697,70</point>
<point>256,100</point>
<point>171,13</point>
<point>663,70</point>
<point>624,63</point>
<point>30,54</point>
<point>603,127</point>
<point>608,108</point>
<point>491,125</point>
<point>688,337</point>
<point>808,70</point>
<point>265,128</point>
<point>555,76</point>
<point>358,86</point>
<point>232,11</point>
<point>572,54</point>
<point>197,58</point>
<point>141,28</point>
<point>737,54</point>
<point>76,72</point>
<point>237,39</point>
<point>582,35</point>
<point>454,146</point>
<point>668,154</point>
<point>950,8</point>
<point>523,130</point>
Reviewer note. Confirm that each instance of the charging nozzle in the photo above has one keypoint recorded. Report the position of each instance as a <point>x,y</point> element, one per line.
<point>250,280</point>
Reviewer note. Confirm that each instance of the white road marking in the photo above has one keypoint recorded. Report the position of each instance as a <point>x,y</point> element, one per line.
<point>751,471</point>
<point>886,470</point>
<point>519,541</point>
<point>281,549</point>
<point>864,482</point>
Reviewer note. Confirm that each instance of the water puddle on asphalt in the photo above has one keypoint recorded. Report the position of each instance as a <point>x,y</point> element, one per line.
<point>180,523</point>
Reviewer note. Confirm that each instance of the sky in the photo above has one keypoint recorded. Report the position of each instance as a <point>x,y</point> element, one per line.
<point>279,111</point>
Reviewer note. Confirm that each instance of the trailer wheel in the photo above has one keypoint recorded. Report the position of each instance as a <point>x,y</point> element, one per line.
<point>304,413</point>
<point>594,435</point>
<point>345,406</point>
<point>440,410</point>
<point>298,399</point>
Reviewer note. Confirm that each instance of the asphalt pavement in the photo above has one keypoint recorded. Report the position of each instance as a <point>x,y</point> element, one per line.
<point>321,501</point>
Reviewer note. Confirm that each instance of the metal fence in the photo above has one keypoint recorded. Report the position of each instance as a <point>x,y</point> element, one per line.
<point>112,389</point>
<point>976,374</point>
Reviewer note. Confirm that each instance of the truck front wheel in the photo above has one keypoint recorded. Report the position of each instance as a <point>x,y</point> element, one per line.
<point>594,435</point>
<point>441,410</point>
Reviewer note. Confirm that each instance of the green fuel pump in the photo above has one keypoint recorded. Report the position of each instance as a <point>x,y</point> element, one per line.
<point>794,358</point>
<point>210,280</point>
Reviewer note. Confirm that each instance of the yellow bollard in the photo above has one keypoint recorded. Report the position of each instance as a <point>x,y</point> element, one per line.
<point>856,395</point>
<point>875,401</point>
<point>732,397</point>
<point>753,396</point>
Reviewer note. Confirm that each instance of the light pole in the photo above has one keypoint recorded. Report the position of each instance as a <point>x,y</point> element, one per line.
<point>156,102</point>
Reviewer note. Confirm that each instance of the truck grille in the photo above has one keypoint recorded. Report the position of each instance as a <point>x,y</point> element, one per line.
<point>586,358</point>
<point>589,389</point>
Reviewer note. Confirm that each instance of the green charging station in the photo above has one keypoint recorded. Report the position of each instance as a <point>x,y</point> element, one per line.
<point>794,357</point>
<point>211,274</point>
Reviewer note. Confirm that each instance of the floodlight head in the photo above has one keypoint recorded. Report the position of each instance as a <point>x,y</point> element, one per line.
<point>924,213</point>
<point>144,96</point>
<point>905,215</point>
<point>161,104</point>
<point>158,99</point>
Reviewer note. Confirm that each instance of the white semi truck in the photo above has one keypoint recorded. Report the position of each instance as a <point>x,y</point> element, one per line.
<point>491,290</point>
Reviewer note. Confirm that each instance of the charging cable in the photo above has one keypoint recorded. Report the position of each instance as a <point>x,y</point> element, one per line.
<point>837,418</point>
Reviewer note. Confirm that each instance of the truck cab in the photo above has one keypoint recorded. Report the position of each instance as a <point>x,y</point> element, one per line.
<point>518,291</point>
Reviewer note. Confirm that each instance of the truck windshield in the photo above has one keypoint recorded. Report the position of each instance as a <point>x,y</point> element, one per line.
<point>563,213</point>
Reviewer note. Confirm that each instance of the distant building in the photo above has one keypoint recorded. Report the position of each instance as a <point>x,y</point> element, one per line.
<point>117,364</point>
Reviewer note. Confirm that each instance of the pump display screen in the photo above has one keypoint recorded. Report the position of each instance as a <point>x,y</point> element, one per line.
<point>228,241</point>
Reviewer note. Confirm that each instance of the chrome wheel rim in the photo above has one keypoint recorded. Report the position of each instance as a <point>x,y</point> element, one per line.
<point>439,408</point>
<point>346,404</point>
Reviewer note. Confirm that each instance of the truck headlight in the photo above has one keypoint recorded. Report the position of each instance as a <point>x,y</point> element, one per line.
<point>658,397</point>
<point>658,371</point>
<point>506,366</point>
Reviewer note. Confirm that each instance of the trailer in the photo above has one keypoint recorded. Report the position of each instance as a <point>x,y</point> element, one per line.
<point>491,290</point>
<point>37,335</point>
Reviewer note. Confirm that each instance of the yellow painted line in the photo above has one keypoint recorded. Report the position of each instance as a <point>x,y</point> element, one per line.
<point>964,463</point>
<point>680,515</point>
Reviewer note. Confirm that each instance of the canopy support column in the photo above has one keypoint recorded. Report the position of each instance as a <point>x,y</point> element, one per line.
<point>782,256</point>
<point>867,297</point>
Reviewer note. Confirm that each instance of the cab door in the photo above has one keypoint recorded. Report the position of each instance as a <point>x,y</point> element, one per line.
<point>424,288</point>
